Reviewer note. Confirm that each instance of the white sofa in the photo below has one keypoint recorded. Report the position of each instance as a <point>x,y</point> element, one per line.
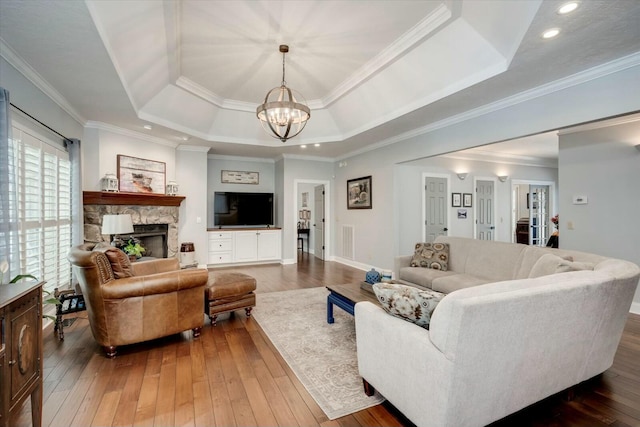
<point>499,341</point>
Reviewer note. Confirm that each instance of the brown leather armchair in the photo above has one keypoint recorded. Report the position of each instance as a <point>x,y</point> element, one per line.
<point>133,302</point>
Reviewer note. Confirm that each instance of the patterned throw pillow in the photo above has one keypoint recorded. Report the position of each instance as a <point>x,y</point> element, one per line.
<point>120,264</point>
<point>408,303</point>
<point>431,255</point>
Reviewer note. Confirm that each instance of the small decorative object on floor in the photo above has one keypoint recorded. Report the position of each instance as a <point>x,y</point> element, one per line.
<point>372,276</point>
<point>386,276</point>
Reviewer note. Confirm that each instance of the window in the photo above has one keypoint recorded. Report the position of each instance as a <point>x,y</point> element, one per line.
<point>44,207</point>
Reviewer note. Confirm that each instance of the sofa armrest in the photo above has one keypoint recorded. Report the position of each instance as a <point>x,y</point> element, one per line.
<point>152,284</point>
<point>400,262</point>
<point>398,359</point>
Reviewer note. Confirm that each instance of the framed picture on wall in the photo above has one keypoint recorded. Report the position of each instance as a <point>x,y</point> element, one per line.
<point>359,193</point>
<point>456,200</point>
<point>466,200</point>
<point>140,175</point>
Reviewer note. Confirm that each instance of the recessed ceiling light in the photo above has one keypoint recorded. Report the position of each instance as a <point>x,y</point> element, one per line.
<point>568,7</point>
<point>147,127</point>
<point>316,145</point>
<point>185,138</point>
<point>550,33</point>
<point>303,146</point>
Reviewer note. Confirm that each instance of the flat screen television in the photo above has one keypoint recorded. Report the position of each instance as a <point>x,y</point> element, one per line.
<point>242,209</point>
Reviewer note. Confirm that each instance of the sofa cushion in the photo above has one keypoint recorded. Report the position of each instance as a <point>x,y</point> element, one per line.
<point>551,264</point>
<point>448,284</point>
<point>408,303</point>
<point>422,276</point>
<point>431,255</point>
<point>120,264</point>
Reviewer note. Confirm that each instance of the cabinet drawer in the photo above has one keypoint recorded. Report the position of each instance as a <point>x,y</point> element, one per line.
<point>220,258</point>
<point>220,236</point>
<point>220,245</point>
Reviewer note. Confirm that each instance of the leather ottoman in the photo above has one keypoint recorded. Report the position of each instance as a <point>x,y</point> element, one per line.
<point>227,292</point>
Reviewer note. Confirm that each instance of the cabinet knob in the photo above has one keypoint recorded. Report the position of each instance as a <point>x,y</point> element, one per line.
<point>12,362</point>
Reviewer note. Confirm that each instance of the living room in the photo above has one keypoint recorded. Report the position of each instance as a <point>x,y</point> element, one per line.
<point>597,159</point>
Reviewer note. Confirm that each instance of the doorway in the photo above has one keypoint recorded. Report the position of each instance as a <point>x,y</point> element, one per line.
<point>531,210</point>
<point>312,200</point>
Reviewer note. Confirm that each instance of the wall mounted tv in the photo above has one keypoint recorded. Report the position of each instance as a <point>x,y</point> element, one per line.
<point>242,209</point>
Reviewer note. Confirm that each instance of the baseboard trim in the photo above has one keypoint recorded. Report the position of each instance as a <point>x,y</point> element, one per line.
<point>358,265</point>
<point>635,308</point>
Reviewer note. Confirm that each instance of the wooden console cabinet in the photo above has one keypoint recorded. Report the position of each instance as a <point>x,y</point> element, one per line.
<point>21,350</point>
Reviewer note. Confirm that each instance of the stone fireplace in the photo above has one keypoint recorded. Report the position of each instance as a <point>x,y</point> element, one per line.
<point>155,224</point>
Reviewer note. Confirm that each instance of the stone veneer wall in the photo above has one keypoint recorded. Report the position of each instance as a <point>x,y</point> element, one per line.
<point>139,215</point>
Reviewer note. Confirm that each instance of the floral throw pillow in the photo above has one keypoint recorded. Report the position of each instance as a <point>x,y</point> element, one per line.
<point>431,255</point>
<point>408,303</point>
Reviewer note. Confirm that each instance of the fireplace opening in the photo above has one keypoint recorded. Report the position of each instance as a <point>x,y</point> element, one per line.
<point>153,238</point>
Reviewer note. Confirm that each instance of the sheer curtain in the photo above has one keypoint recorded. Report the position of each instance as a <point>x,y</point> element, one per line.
<point>9,249</point>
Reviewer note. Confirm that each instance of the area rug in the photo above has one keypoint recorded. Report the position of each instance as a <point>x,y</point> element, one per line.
<point>322,355</point>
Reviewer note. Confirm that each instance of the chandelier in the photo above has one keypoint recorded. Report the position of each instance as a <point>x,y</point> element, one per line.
<point>281,115</point>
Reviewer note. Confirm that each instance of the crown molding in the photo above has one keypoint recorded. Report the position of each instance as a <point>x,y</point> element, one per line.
<point>396,49</point>
<point>503,158</point>
<point>409,39</point>
<point>130,133</point>
<point>194,148</point>
<point>239,158</point>
<point>23,67</point>
<point>599,71</point>
<point>599,124</point>
<point>286,156</point>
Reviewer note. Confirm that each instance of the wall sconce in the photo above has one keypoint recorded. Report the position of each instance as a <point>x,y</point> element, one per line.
<point>462,176</point>
<point>503,178</point>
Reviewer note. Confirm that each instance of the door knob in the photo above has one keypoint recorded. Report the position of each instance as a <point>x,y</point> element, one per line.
<point>492,228</point>
<point>445,229</point>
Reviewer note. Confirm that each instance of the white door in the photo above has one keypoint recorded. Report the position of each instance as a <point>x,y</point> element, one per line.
<point>318,226</point>
<point>435,196</point>
<point>485,226</point>
<point>538,215</point>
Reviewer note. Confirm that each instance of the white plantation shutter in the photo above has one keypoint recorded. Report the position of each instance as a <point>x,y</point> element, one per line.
<point>44,208</point>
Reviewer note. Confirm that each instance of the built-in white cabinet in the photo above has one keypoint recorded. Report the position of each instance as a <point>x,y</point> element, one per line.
<point>231,246</point>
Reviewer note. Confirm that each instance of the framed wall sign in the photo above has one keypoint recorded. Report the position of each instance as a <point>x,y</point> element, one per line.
<point>140,175</point>
<point>359,193</point>
<point>240,177</point>
<point>466,200</point>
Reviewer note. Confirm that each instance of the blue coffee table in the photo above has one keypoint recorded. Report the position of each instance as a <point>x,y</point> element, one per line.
<point>346,297</point>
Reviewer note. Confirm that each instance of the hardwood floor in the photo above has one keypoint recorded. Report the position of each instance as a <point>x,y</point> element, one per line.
<point>232,375</point>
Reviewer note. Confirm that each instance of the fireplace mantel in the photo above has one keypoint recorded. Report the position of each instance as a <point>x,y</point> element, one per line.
<point>140,199</point>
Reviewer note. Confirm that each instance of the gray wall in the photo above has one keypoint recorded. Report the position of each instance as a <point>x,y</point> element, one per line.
<point>603,165</point>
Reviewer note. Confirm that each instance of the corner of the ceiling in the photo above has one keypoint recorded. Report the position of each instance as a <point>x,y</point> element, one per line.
<point>24,68</point>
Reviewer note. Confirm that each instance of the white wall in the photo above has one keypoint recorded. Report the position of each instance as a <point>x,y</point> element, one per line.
<point>604,166</point>
<point>191,166</point>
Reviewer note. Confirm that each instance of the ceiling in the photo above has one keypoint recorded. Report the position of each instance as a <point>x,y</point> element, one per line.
<point>370,70</point>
